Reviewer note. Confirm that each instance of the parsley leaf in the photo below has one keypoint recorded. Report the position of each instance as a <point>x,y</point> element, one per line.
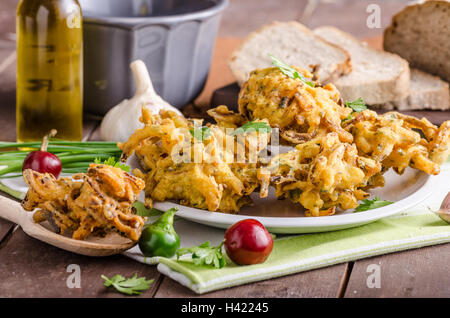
<point>258,126</point>
<point>130,286</point>
<point>347,118</point>
<point>205,255</point>
<point>357,105</point>
<point>200,133</point>
<point>111,161</point>
<point>141,210</point>
<point>289,71</point>
<point>372,204</point>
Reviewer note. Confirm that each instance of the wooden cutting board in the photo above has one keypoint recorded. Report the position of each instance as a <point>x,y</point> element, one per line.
<point>221,88</point>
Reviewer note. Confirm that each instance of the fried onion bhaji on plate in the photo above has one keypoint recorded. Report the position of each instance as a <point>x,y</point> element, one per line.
<point>97,202</point>
<point>212,178</point>
<point>321,174</point>
<point>300,111</point>
<point>398,141</point>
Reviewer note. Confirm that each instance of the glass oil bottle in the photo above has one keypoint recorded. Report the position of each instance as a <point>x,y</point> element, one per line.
<point>49,69</point>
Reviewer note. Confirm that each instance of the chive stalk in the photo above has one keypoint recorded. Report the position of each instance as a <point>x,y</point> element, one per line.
<point>75,156</point>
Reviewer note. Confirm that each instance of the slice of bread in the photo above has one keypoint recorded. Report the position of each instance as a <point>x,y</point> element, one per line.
<point>294,44</point>
<point>425,92</point>
<point>378,77</point>
<point>420,33</point>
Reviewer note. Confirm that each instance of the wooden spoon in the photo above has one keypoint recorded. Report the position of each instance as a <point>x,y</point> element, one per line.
<point>94,246</point>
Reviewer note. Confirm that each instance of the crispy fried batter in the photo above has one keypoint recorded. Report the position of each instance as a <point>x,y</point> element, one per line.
<point>101,201</point>
<point>210,178</point>
<point>395,140</point>
<point>338,157</point>
<point>321,174</point>
<point>227,118</point>
<point>300,111</point>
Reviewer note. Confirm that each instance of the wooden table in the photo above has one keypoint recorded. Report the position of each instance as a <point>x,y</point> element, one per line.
<point>29,268</point>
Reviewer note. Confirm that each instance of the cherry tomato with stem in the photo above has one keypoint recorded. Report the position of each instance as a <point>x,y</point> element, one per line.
<point>248,242</point>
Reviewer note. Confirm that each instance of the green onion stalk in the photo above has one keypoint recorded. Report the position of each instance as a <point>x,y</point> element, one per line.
<point>75,156</point>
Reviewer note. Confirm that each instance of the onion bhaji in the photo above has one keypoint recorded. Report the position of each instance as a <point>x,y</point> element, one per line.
<point>339,154</point>
<point>211,178</point>
<point>398,141</point>
<point>321,174</point>
<point>98,202</point>
<point>300,111</point>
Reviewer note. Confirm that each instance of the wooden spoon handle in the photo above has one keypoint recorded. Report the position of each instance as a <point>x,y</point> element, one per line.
<point>12,211</point>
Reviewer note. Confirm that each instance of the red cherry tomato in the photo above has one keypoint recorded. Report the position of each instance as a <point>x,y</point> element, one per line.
<point>248,242</point>
<point>43,161</point>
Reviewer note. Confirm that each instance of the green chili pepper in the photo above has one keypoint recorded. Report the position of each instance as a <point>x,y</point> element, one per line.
<point>160,238</point>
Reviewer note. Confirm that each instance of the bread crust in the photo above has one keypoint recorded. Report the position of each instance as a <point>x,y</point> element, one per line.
<point>437,98</point>
<point>430,65</point>
<point>375,92</point>
<point>341,69</point>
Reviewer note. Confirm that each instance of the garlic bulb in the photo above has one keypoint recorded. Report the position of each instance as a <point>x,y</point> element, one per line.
<point>444,211</point>
<point>122,120</point>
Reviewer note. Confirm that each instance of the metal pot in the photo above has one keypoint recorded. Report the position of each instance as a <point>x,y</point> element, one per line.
<point>175,39</point>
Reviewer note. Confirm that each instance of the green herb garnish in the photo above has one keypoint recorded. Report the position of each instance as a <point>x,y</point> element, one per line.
<point>347,118</point>
<point>200,133</point>
<point>357,105</point>
<point>205,255</point>
<point>258,126</point>
<point>141,210</point>
<point>130,286</point>
<point>289,71</point>
<point>372,204</point>
<point>111,161</point>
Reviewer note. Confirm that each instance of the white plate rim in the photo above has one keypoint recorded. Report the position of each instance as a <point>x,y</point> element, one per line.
<point>220,219</point>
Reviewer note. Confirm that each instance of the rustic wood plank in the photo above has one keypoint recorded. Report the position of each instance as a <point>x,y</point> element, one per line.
<point>30,268</point>
<point>323,282</point>
<point>5,227</point>
<point>417,273</point>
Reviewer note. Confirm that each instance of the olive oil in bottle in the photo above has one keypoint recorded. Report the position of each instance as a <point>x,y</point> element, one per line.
<point>49,69</point>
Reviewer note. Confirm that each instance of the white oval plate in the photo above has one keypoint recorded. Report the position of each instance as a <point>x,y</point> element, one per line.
<point>285,217</point>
